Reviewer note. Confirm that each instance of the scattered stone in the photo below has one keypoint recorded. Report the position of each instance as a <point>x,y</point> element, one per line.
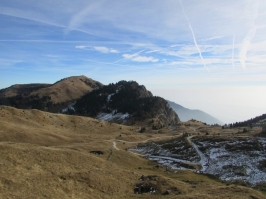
<point>144,188</point>
<point>97,152</point>
<point>167,192</point>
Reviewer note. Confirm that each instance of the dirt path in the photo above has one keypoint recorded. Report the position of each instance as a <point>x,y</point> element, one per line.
<point>149,139</point>
<point>203,158</point>
<point>114,142</point>
<point>114,145</point>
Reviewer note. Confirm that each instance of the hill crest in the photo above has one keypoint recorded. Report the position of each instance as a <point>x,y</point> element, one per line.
<point>50,97</point>
<point>124,102</point>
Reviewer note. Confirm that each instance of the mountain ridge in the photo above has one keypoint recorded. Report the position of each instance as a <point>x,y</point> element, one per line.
<point>129,100</point>
<point>186,114</point>
<point>49,97</point>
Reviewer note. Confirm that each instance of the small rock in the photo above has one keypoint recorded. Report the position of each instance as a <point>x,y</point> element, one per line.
<point>167,192</point>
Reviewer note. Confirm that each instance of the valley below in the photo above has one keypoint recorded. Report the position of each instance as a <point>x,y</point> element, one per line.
<point>231,159</point>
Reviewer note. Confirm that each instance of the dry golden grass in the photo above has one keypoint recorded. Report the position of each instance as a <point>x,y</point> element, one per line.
<point>45,155</point>
<point>67,90</point>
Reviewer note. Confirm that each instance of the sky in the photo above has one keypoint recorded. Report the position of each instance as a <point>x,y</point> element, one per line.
<point>208,55</point>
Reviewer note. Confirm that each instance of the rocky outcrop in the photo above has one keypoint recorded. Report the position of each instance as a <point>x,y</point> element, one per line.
<point>125,102</point>
<point>263,129</point>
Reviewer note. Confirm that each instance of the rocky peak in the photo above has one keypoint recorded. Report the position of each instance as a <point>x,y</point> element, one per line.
<point>125,101</point>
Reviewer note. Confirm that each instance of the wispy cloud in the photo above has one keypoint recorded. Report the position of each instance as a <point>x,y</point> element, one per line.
<point>212,38</point>
<point>138,58</point>
<point>27,15</point>
<point>132,55</point>
<point>81,47</point>
<point>247,41</point>
<point>233,52</point>
<point>194,38</point>
<point>8,62</point>
<point>101,49</point>
<point>81,17</point>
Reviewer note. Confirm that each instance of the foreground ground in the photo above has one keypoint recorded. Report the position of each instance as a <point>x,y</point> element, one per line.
<point>44,155</point>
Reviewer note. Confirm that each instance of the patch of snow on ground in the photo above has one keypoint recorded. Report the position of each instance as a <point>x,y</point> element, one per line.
<point>109,97</point>
<point>236,164</point>
<point>111,116</point>
<point>118,89</point>
<point>69,107</point>
<point>233,159</point>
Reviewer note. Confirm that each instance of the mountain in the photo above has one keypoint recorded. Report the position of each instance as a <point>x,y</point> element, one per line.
<point>124,102</point>
<point>69,89</point>
<point>19,89</point>
<point>49,97</point>
<point>186,114</point>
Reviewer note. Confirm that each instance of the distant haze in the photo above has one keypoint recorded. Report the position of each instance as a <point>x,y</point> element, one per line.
<point>186,114</point>
<point>225,103</point>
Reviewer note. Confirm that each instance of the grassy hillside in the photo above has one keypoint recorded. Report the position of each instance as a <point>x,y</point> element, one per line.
<point>68,89</point>
<point>20,89</point>
<point>45,155</point>
<point>48,97</point>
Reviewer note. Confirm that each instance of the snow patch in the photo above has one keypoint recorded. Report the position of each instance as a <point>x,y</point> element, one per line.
<point>70,107</point>
<point>109,97</point>
<point>118,89</point>
<point>233,159</point>
<point>112,116</point>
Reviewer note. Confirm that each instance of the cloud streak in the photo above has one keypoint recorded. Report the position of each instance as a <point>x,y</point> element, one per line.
<point>212,38</point>
<point>245,47</point>
<point>79,18</point>
<point>247,41</point>
<point>101,49</point>
<point>104,49</point>
<point>194,38</point>
<point>135,54</point>
<point>233,52</point>
<point>138,58</point>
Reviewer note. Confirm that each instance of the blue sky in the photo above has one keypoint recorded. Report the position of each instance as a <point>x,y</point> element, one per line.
<point>207,55</point>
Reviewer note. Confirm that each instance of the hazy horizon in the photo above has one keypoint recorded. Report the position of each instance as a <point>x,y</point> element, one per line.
<point>207,55</point>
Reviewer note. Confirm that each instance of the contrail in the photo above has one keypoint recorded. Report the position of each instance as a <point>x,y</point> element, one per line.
<point>233,52</point>
<point>194,38</point>
<point>247,41</point>
<point>135,54</point>
<point>245,47</point>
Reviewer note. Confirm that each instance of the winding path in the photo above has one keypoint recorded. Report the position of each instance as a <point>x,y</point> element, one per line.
<point>114,145</point>
<point>144,141</point>
<point>203,158</point>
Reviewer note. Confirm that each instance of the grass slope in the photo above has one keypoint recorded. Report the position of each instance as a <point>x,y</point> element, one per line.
<point>45,155</point>
<point>68,89</point>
